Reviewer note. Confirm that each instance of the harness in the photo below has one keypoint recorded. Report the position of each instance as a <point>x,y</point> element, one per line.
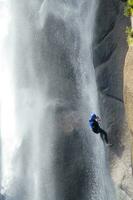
<point>94,125</point>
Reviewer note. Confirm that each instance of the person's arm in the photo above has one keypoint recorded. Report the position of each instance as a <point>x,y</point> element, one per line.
<point>98,119</point>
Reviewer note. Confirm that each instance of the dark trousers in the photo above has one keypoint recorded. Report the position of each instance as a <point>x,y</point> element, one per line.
<point>103,134</point>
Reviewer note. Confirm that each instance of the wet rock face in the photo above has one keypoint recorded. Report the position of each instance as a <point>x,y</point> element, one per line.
<point>109,53</point>
<point>110,49</point>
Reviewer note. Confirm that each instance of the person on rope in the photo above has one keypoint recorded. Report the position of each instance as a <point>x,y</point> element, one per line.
<point>94,125</point>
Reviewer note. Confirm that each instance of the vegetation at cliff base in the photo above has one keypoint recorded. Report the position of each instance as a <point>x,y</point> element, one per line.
<point>129,32</point>
<point>128,11</point>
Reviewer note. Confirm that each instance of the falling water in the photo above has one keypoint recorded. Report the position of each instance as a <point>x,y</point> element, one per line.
<point>48,89</point>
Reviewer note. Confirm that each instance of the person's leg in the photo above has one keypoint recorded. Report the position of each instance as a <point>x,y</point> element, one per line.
<point>103,135</point>
<point>106,137</point>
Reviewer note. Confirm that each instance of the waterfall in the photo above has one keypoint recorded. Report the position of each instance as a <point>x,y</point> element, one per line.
<point>47,91</point>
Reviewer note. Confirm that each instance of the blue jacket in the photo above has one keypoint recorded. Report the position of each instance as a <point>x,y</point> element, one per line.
<point>92,120</point>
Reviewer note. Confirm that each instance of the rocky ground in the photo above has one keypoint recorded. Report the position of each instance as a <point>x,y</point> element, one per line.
<point>127,183</point>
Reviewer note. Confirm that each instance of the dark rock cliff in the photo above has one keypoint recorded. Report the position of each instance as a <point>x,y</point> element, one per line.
<point>109,51</point>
